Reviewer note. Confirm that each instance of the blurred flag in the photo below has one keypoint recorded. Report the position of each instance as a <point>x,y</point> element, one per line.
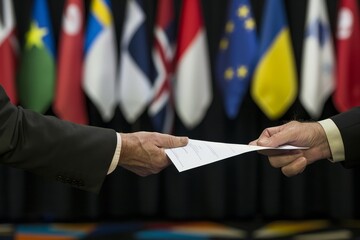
<point>69,99</point>
<point>347,92</point>
<point>8,50</point>
<point>237,55</point>
<point>100,59</point>
<point>37,69</point>
<point>318,63</point>
<point>136,67</point>
<point>161,108</point>
<point>193,90</point>
<point>274,86</point>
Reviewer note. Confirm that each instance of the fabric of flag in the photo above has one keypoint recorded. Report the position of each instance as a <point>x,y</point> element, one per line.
<point>37,69</point>
<point>192,87</point>
<point>347,92</point>
<point>318,63</point>
<point>99,73</point>
<point>161,109</point>
<point>137,72</point>
<point>274,86</point>
<point>69,98</point>
<point>237,55</point>
<point>8,50</point>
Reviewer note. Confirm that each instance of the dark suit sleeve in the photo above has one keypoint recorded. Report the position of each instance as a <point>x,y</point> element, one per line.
<point>73,154</point>
<point>349,126</point>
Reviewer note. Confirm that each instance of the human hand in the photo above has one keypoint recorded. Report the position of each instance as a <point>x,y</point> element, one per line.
<point>293,162</point>
<point>143,152</point>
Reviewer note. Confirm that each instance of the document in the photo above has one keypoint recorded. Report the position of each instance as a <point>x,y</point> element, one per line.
<point>198,153</point>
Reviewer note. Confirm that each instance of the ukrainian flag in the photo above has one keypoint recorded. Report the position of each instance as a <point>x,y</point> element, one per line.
<point>274,87</point>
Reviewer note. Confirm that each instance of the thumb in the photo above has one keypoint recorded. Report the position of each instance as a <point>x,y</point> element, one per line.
<point>275,140</point>
<point>173,141</point>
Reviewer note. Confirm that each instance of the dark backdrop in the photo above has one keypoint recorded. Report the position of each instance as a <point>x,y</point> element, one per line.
<point>241,188</point>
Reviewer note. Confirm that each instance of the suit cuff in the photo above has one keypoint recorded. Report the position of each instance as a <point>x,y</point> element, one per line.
<point>334,139</point>
<point>116,156</point>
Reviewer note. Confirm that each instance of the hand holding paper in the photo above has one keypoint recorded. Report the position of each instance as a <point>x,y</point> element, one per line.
<point>198,153</point>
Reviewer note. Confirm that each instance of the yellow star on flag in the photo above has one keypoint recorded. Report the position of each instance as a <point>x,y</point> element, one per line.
<point>242,71</point>
<point>35,35</point>
<point>229,28</point>
<point>250,24</point>
<point>243,11</point>
<point>224,43</point>
<point>229,73</point>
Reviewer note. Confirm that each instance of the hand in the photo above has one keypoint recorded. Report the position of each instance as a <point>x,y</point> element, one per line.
<point>299,134</point>
<point>143,152</point>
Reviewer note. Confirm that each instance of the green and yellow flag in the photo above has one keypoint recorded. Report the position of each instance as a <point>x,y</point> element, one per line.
<point>37,70</point>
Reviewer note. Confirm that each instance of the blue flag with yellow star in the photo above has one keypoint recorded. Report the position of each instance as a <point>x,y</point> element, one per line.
<point>37,69</point>
<point>237,55</point>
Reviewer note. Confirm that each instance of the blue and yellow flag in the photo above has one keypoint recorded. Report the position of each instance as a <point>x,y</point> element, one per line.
<point>37,69</point>
<point>237,55</point>
<point>99,80</point>
<point>274,87</point>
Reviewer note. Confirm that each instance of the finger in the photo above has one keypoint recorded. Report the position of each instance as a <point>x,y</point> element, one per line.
<point>294,168</point>
<point>254,142</point>
<point>279,161</point>
<point>265,137</point>
<point>279,152</point>
<point>163,161</point>
<point>169,141</point>
<point>278,136</point>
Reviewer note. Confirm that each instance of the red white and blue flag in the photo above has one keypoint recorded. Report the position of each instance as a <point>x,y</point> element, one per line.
<point>161,109</point>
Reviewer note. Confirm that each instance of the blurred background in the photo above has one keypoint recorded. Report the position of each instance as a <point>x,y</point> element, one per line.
<point>215,63</point>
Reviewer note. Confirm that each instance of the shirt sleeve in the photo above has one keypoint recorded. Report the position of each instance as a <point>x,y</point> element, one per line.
<point>335,140</point>
<point>116,156</point>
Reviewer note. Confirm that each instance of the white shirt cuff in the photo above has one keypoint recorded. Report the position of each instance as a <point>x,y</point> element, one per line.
<point>116,156</point>
<point>334,139</point>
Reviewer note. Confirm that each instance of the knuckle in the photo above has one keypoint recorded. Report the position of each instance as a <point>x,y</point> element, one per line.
<point>274,163</point>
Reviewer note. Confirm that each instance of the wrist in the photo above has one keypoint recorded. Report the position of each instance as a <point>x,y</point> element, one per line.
<point>321,142</point>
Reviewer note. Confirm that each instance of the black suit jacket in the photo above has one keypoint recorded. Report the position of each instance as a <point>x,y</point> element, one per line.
<point>349,126</point>
<point>73,154</point>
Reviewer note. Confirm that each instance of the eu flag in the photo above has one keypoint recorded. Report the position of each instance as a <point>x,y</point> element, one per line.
<point>237,55</point>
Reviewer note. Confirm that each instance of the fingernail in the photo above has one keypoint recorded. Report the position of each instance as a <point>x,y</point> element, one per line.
<point>184,140</point>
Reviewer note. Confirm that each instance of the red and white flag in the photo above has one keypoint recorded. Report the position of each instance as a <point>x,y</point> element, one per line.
<point>161,108</point>
<point>347,92</point>
<point>8,51</point>
<point>70,99</point>
<point>193,90</point>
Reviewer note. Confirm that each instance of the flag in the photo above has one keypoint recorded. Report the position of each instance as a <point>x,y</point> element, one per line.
<point>99,76</point>
<point>37,68</point>
<point>137,72</point>
<point>237,55</point>
<point>274,86</point>
<point>69,98</point>
<point>347,92</point>
<point>161,109</point>
<point>318,63</point>
<point>8,50</point>
<point>193,90</point>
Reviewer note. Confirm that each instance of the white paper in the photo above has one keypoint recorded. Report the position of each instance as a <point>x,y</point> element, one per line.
<point>198,153</point>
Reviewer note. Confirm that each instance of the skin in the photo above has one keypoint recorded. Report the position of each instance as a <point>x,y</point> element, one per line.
<point>144,152</point>
<point>293,162</point>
